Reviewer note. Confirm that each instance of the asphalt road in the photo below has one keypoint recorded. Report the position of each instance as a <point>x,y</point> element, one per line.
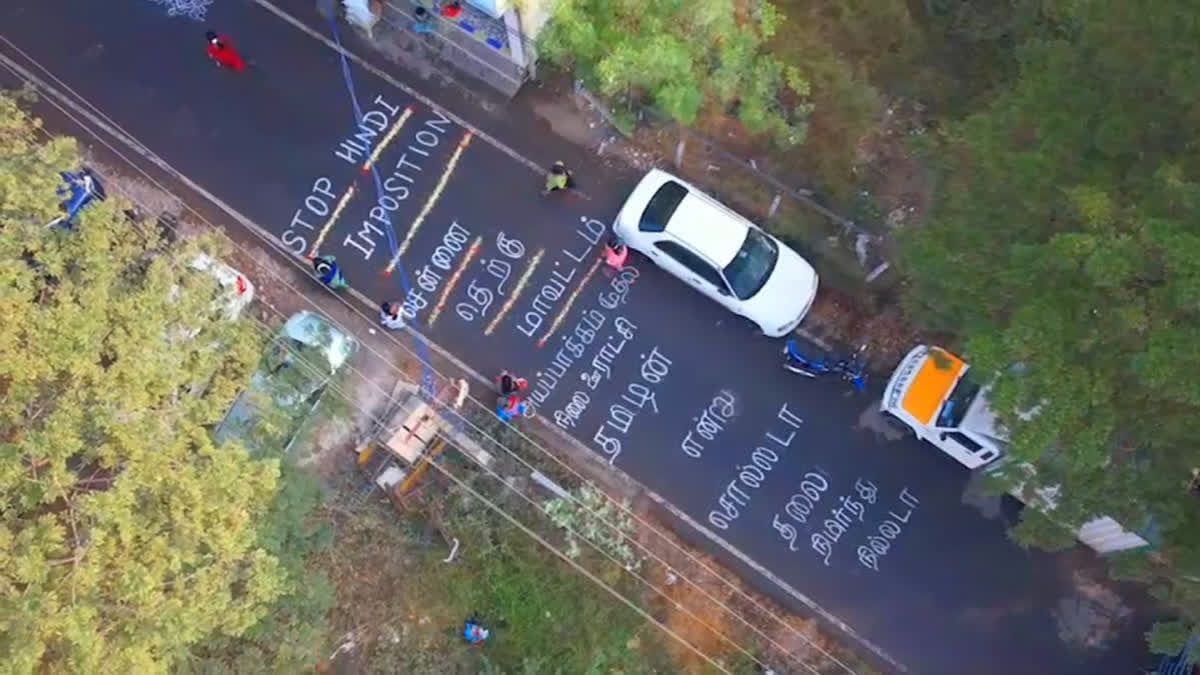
<point>638,367</point>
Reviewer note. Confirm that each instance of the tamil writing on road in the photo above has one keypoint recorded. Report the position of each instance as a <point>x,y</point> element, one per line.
<point>738,493</point>
<point>709,424</point>
<point>485,287</point>
<point>429,276</point>
<point>638,393</point>
<point>553,289</point>
<point>841,515</point>
<point>575,348</point>
<point>577,344</point>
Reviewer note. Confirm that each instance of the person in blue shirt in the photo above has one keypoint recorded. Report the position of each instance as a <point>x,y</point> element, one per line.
<point>329,273</point>
<point>474,633</point>
<point>510,407</point>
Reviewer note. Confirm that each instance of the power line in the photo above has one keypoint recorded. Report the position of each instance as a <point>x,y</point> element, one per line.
<point>532,443</point>
<point>268,332</point>
<point>537,445</point>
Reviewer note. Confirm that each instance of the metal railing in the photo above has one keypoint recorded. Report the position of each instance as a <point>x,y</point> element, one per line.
<point>487,49</point>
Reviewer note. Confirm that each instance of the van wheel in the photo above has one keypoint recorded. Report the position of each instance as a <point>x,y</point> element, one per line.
<point>898,424</point>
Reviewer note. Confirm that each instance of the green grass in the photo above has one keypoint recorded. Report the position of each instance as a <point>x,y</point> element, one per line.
<point>540,609</point>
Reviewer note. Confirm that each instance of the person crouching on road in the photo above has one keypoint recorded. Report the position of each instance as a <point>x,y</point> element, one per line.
<point>329,273</point>
<point>390,316</point>
<point>558,178</point>
<point>221,51</point>
<point>615,253</point>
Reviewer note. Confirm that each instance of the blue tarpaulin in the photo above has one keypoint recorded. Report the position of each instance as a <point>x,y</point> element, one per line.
<point>82,189</point>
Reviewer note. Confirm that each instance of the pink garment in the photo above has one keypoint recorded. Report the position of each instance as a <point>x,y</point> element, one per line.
<point>615,257</point>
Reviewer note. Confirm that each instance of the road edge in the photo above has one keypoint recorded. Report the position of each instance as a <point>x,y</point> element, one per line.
<point>85,110</point>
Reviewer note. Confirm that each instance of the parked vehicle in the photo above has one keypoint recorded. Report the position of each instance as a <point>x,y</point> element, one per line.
<point>933,394</point>
<point>718,252</point>
<point>234,292</point>
<point>237,291</point>
<point>288,384</point>
<point>851,369</point>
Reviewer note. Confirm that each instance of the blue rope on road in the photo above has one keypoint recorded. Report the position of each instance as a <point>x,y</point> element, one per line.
<point>358,117</point>
<point>427,378</point>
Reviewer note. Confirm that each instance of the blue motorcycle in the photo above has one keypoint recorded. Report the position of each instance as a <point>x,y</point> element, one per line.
<point>853,369</point>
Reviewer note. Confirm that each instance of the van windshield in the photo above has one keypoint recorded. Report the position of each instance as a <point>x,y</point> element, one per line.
<point>955,408</point>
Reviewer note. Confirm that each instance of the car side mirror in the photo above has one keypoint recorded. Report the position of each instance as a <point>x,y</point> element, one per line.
<point>943,436</point>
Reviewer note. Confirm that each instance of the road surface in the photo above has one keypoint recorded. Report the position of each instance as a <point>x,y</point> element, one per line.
<point>654,378</point>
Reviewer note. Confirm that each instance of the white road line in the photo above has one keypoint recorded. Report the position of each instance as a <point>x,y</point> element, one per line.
<point>268,237</point>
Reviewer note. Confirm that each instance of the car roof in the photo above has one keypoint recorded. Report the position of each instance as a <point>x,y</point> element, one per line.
<point>238,290</point>
<point>708,227</point>
<point>703,223</point>
<point>319,333</point>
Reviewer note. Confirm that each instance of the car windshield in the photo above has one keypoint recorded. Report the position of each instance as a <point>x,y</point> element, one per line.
<point>319,339</point>
<point>307,352</point>
<point>296,367</point>
<point>752,266</point>
<point>661,207</point>
<point>955,408</point>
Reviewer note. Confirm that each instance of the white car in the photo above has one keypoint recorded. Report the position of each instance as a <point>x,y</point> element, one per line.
<point>234,293</point>
<point>717,252</point>
<point>236,290</point>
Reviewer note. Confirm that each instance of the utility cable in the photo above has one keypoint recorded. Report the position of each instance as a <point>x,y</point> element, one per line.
<point>268,333</point>
<point>533,443</point>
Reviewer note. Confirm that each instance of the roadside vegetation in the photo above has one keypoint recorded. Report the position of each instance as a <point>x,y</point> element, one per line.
<point>131,542</point>
<point>126,537</point>
<point>1034,164</point>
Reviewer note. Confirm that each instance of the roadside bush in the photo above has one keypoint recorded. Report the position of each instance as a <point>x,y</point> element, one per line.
<point>683,57</point>
<point>590,517</point>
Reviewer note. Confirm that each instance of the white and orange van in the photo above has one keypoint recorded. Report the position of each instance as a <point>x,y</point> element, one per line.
<point>933,394</point>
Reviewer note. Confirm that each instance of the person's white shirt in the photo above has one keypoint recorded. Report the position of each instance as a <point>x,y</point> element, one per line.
<point>391,321</point>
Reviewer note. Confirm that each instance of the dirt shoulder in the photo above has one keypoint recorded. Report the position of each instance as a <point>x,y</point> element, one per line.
<point>699,600</point>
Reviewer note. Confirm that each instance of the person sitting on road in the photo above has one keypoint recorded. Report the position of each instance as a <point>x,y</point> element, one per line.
<point>510,407</point>
<point>558,178</point>
<point>329,273</point>
<point>510,385</point>
<point>390,316</point>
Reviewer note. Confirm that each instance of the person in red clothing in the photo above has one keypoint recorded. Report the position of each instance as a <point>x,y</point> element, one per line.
<point>221,51</point>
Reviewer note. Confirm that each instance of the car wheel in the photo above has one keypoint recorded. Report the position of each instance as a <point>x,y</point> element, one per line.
<point>753,327</point>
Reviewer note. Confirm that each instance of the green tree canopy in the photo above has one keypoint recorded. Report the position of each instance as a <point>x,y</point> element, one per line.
<point>1066,240</point>
<point>683,56</point>
<point>126,537</point>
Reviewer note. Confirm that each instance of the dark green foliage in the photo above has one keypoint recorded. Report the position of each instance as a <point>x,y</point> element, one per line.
<point>683,57</point>
<point>1065,239</point>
